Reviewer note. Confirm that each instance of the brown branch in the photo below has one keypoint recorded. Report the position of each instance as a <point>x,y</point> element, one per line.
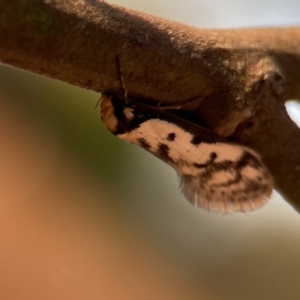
<point>236,81</point>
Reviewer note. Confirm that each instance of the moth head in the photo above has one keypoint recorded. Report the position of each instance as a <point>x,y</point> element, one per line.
<point>115,114</point>
<point>107,113</point>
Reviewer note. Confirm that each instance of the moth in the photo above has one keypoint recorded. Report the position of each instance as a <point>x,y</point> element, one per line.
<point>214,173</point>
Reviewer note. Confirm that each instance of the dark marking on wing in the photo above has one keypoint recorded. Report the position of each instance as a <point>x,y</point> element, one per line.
<point>213,156</point>
<point>196,140</point>
<point>247,159</point>
<point>144,143</point>
<point>171,137</point>
<point>199,166</point>
<point>163,149</point>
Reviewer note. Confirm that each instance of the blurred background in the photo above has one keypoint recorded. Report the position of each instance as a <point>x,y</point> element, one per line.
<point>84,215</point>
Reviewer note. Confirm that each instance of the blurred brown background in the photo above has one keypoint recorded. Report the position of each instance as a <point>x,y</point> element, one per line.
<point>84,215</point>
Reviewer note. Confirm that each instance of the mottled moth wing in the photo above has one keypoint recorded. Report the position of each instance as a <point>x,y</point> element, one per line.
<point>214,173</point>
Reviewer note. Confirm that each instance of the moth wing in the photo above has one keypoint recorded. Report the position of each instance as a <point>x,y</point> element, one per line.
<point>215,174</point>
<point>229,186</point>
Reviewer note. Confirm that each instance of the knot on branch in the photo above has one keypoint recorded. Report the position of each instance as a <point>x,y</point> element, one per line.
<point>263,85</point>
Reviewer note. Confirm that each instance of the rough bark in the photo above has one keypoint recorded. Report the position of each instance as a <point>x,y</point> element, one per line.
<point>235,81</point>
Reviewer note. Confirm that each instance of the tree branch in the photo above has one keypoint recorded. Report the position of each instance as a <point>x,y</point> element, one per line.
<point>235,81</point>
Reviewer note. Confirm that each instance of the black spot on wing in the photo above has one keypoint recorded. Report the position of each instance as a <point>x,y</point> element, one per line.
<point>196,140</point>
<point>199,166</point>
<point>144,143</point>
<point>171,137</point>
<point>213,156</point>
<point>163,150</point>
<point>248,159</point>
<point>163,153</point>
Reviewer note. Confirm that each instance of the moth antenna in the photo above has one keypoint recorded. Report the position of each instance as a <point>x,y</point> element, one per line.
<point>181,104</point>
<point>159,104</point>
<point>98,101</point>
<point>169,107</point>
<point>121,77</point>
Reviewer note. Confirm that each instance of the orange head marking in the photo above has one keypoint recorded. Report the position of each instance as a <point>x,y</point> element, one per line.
<point>107,113</point>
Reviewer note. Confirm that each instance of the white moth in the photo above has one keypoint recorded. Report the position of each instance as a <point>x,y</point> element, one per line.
<point>214,173</point>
